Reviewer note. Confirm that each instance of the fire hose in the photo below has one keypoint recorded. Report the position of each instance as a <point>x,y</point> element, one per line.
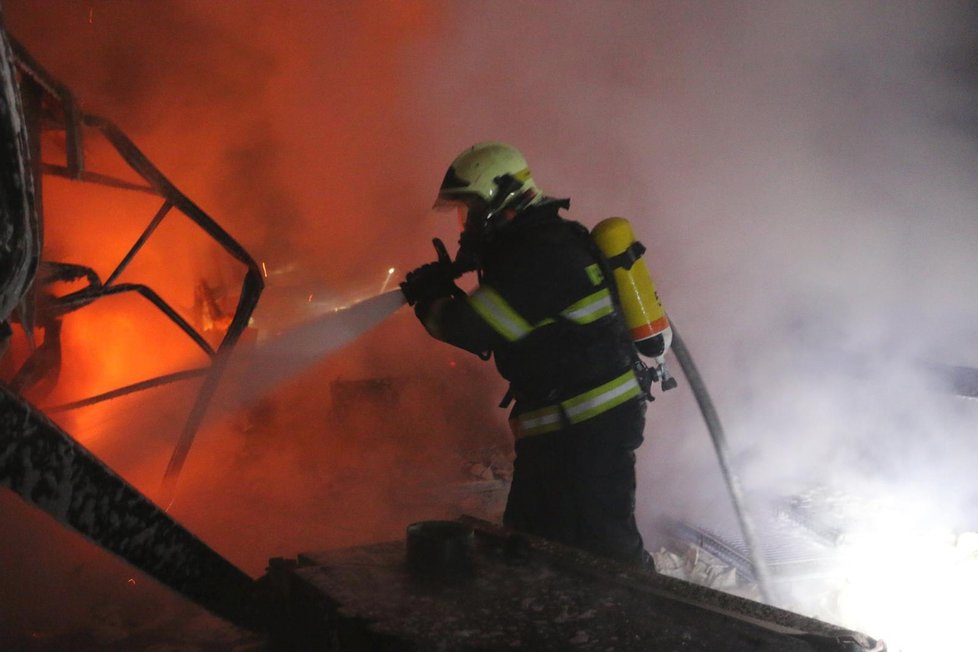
<point>715,428</point>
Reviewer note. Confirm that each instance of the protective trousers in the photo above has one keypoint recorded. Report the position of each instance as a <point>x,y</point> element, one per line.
<point>577,485</point>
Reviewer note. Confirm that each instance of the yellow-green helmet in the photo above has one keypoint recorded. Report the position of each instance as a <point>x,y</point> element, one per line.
<point>495,173</point>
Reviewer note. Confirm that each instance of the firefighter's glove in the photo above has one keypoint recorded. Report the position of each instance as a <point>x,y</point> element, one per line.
<point>429,282</point>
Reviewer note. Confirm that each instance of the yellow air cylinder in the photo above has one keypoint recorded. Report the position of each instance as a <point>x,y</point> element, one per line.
<point>644,315</point>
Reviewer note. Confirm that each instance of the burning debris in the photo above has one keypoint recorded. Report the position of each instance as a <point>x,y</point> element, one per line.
<point>38,460</point>
<point>52,116</point>
<point>696,565</point>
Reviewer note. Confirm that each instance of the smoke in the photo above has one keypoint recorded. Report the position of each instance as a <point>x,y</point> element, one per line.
<point>802,175</point>
<point>804,179</point>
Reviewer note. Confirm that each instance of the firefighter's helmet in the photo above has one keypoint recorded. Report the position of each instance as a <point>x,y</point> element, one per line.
<point>495,174</point>
<point>490,183</point>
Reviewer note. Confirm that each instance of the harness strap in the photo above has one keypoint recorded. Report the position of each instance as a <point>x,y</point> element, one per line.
<point>627,258</point>
<point>576,409</point>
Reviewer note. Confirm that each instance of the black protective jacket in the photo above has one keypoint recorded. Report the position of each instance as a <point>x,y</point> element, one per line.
<point>536,267</point>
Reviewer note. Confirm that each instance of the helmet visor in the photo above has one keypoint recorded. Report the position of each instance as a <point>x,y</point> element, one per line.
<point>459,206</point>
<point>451,209</point>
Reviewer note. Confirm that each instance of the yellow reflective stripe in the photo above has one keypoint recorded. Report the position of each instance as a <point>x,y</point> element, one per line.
<point>590,308</point>
<point>538,422</point>
<point>498,314</point>
<point>579,408</point>
<point>493,308</point>
<point>601,399</point>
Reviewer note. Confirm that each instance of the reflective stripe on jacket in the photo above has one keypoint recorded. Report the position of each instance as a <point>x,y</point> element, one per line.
<point>545,309</point>
<point>501,317</point>
<point>504,319</point>
<point>578,408</point>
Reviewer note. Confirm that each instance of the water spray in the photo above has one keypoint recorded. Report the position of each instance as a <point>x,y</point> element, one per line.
<point>252,374</point>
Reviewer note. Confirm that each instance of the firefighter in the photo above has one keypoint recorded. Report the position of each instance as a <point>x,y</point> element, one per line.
<point>546,310</point>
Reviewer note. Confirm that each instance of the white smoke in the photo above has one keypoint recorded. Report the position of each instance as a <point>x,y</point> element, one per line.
<point>804,176</point>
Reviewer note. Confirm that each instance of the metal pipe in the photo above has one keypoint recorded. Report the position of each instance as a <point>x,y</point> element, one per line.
<point>251,289</point>
<point>95,177</point>
<point>150,228</point>
<point>128,389</point>
<point>74,301</point>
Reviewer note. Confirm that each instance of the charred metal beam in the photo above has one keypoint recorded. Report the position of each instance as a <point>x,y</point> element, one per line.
<point>75,151</point>
<point>143,237</point>
<point>252,286</point>
<point>142,385</point>
<point>53,472</point>
<point>182,449</point>
<point>95,177</point>
<point>82,298</point>
<point>52,272</point>
<point>142,165</point>
<point>74,121</point>
<point>20,234</point>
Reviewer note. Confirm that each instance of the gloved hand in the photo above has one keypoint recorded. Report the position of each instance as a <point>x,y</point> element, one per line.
<point>433,280</point>
<point>429,282</point>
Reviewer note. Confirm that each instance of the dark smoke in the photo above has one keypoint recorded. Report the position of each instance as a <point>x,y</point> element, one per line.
<point>802,174</point>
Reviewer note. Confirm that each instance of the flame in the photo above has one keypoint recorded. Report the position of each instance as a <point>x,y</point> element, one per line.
<point>122,339</point>
<point>241,131</point>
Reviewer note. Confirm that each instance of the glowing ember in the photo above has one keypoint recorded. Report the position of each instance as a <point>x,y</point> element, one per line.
<point>390,273</point>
